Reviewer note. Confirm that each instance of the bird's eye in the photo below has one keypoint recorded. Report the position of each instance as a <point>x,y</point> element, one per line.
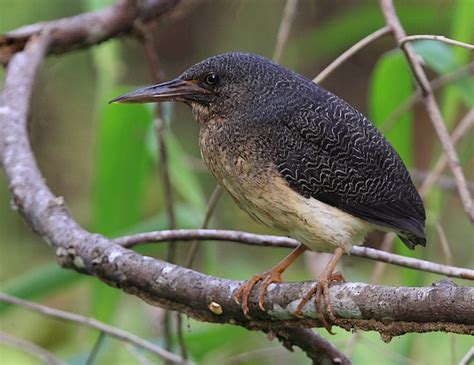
<point>211,79</point>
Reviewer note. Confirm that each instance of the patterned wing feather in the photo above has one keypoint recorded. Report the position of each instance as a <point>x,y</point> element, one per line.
<point>336,155</point>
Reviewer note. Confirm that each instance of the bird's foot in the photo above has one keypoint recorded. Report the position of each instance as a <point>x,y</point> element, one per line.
<point>321,290</point>
<point>242,294</point>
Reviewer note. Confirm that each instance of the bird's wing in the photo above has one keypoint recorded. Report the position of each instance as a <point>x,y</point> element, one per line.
<point>334,154</point>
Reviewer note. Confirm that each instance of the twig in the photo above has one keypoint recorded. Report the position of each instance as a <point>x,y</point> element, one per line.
<point>151,55</point>
<point>417,96</point>
<point>445,244</point>
<point>438,38</point>
<point>285,26</point>
<point>211,206</point>
<point>460,131</point>
<point>444,182</point>
<point>466,360</point>
<point>379,268</point>
<point>31,348</point>
<point>93,323</point>
<point>449,260</point>
<point>95,350</point>
<point>277,241</point>
<point>350,52</point>
<point>393,22</point>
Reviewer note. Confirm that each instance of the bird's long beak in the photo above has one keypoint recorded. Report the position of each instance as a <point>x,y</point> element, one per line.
<point>175,90</point>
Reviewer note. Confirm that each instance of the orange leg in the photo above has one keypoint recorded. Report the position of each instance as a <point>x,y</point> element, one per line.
<point>272,276</point>
<point>321,290</point>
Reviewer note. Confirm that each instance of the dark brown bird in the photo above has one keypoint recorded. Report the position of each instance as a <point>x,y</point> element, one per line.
<point>296,158</point>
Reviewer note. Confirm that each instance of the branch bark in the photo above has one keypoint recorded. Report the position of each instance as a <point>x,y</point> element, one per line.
<point>88,29</point>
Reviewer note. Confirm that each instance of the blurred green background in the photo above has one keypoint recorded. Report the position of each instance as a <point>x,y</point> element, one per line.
<point>103,159</point>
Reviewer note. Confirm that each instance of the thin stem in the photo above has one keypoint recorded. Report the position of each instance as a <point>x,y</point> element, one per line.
<point>95,350</point>
<point>145,34</point>
<point>432,107</point>
<point>211,206</point>
<point>286,22</point>
<point>444,182</point>
<point>350,52</point>
<point>417,96</point>
<point>31,348</point>
<point>460,131</point>
<point>277,241</point>
<point>93,323</point>
<point>448,254</point>
<point>466,360</point>
<point>438,38</point>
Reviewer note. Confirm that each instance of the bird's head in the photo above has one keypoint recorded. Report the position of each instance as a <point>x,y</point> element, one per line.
<point>217,85</point>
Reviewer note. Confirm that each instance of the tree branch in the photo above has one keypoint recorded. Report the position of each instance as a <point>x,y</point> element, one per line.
<point>88,29</point>
<point>350,52</point>
<point>438,38</point>
<point>278,241</point>
<point>434,112</point>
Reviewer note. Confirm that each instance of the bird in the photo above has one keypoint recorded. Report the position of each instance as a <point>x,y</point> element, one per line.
<point>296,158</point>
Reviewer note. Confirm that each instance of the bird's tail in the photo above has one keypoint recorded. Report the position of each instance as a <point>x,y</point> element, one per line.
<point>412,240</point>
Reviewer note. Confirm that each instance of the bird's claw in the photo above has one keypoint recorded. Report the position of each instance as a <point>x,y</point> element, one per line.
<point>321,290</point>
<point>243,293</point>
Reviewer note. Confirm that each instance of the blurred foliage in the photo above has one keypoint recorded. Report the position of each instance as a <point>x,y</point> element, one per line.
<point>103,160</point>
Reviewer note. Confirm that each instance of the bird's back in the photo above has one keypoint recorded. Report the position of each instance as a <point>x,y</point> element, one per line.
<point>329,151</point>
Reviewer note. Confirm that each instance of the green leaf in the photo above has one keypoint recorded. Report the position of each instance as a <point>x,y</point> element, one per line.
<point>122,169</point>
<point>185,180</point>
<point>122,166</point>
<point>390,85</point>
<point>463,31</point>
<point>343,29</point>
<point>441,58</point>
<point>39,282</point>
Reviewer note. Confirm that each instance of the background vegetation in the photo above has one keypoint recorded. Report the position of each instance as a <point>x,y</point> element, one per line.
<point>103,160</point>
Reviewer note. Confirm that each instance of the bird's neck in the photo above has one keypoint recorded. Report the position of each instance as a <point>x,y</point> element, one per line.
<point>202,113</point>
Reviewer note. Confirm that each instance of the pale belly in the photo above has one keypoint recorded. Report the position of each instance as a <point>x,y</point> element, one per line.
<point>268,199</point>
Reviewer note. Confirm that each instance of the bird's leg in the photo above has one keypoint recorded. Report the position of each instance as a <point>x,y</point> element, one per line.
<point>321,289</point>
<point>271,276</point>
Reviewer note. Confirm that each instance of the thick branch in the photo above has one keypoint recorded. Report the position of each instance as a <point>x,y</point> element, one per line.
<point>87,29</point>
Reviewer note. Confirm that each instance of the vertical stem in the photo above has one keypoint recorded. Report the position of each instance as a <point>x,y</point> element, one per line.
<point>145,34</point>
